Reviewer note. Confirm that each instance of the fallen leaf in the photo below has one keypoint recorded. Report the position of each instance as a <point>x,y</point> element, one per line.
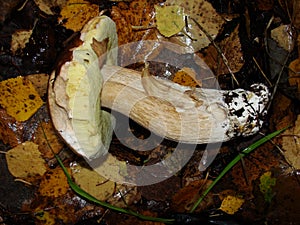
<point>205,15</point>
<point>25,161</point>
<point>169,19</point>
<point>47,129</point>
<point>231,48</point>
<point>294,74</point>
<point>54,183</point>
<point>75,14</point>
<point>291,144</point>
<point>284,36</point>
<point>19,98</point>
<point>11,131</point>
<point>47,6</point>
<point>231,204</point>
<point>186,77</point>
<point>266,185</point>
<point>40,82</point>
<point>186,197</point>
<point>19,40</point>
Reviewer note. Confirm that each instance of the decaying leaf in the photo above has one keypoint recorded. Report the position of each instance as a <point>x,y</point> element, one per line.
<point>291,144</point>
<point>294,75</point>
<point>185,198</point>
<point>284,36</point>
<point>139,13</point>
<point>266,185</point>
<point>231,204</point>
<point>40,82</point>
<point>11,131</point>
<point>47,6</point>
<point>47,129</point>
<point>101,187</point>
<point>19,98</point>
<point>54,183</point>
<point>169,19</point>
<point>187,77</point>
<point>19,40</point>
<point>25,161</point>
<point>75,14</point>
<point>205,15</point>
<point>231,48</point>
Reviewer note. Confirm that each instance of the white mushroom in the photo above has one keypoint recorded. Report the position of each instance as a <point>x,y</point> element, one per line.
<point>183,114</point>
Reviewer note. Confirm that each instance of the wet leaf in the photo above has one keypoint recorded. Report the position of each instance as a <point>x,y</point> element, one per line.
<point>187,77</point>
<point>184,199</point>
<point>75,14</point>
<point>205,15</point>
<point>40,82</point>
<point>284,36</point>
<point>19,98</point>
<point>169,19</point>
<point>139,13</point>
<point>291,144</point>
<point>294,75</point>
<point>231,204</point>
<point>54,183</point>
<point>231,48</point>
<point>266,185</point>
<point>25,161</point>
<point>47,129</point>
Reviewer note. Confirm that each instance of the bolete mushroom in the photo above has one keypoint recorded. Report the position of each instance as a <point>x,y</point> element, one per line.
<point>84,82</point>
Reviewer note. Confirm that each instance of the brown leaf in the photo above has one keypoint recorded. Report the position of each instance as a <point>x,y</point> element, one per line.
<point>232,50</point>
<point>54,183</point>
<point>185,198</point>
<point>137,13</point>
<point>291,144</point>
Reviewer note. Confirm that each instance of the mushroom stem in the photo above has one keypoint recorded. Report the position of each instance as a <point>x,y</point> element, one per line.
<point>207,116</point>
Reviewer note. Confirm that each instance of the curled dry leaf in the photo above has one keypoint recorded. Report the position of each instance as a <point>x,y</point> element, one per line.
<point>19,98</point>
<point>25,161</point>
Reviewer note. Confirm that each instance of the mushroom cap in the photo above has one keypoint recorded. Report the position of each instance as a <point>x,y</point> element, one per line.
<point>75,88</point>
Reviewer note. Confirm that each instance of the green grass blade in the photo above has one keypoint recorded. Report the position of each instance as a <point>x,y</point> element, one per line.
<point>234,161</point>
<point>91,198</point>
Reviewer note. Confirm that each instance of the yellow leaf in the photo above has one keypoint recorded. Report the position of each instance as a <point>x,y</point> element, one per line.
<point>187,77</point>
<point>54,184</point>
<point>231,204</point>
<point>25,160</point>
<point>19,98</point>
<point>169,19</point>
<point>75,14</point>
<point>205,14</point>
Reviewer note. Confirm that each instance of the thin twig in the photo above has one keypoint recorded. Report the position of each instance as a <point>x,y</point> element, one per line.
<point>218,49</point>
<point>262,72</point>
